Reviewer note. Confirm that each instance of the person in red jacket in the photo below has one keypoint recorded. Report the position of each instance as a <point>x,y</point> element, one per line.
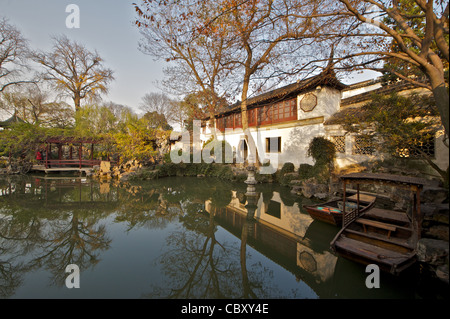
<point>39,156</point>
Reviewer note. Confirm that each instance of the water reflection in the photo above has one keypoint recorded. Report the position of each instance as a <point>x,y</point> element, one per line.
<point>281,232</point>
<point>178,238</point>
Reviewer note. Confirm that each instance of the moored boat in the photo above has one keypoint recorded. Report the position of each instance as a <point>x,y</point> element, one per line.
<point>378,236</point>
<point>331,211</point>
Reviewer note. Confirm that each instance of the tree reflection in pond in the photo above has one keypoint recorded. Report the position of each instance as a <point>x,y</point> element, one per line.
<point>169,238</point>
<point>33,236</point>
<point>199,265</point>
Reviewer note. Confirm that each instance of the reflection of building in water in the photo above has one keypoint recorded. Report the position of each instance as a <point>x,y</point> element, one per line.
<point>284,234</point>
<point>274,212</point>
<point>321,265</point>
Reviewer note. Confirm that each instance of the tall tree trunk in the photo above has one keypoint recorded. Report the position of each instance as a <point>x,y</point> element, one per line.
<point>77,101</point>
<point>440,93</point>
<point>248,137</point>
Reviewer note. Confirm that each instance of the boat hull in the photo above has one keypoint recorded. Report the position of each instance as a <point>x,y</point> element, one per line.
<point>388,265</point>
<point>385,237</point>
<point>324,216</point>
<point>331,212</point>
<point>374,239</point>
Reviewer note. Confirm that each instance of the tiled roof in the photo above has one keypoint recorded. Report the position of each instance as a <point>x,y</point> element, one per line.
<point>326,78</point>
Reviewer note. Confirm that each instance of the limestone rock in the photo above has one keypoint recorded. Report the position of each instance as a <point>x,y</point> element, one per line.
<point>105,167</point>
<point>432,194</point>
<point>438,232</point>
<point>126,176</point>
<point>310,187</point>
<point>321,195</point>
<point>432,251</point>
<point>442,273</point>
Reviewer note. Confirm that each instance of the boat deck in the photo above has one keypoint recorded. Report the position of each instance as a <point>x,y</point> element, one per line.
<point>387,259</point>
<point>385,237</point>
<point>388,215</point>
<point>363,198</point>
<point>379,236</point>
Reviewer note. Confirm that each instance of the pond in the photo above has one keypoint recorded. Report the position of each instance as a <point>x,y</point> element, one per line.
<point>175,237</point>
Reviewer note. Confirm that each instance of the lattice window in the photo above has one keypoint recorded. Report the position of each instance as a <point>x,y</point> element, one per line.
<point>228,120</point>
<point>238,120</point>
<point>363,145</point>
<point>426,146</point>
<point>339,143</point>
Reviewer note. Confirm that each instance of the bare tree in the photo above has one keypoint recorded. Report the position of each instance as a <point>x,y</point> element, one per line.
<point>13,55</point>
<point>75,70</point>
<point>200,59</point>
<point>412,33</point>
<point>161,104</point>
<point>32,103</point>
<point>225,46</point>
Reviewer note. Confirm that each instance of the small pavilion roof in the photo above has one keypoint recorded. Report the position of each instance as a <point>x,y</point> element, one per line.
<point>13,119</point>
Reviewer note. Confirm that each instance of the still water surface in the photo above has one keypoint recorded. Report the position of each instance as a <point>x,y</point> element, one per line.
<point>171,238</point>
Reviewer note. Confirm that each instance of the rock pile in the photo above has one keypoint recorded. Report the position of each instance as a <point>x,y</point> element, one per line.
<point>310,188</point>
<point>434,254</point>
<point>122,172</point>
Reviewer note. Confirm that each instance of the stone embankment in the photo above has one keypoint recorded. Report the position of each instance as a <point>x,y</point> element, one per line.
<point>121,172</point>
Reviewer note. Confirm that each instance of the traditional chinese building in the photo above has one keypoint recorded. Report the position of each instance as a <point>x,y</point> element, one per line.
<point>291,116</point>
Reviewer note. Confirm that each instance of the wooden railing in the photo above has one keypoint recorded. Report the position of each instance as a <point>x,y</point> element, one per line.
<point>352,214</point>
<point>350,217</point>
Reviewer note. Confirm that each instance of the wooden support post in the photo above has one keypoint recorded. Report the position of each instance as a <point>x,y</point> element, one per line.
<point>357,199</point>
<point>46,156</point>
<point>418,213</point>
<point>80,153</point>
<point>60,152</point>
<point>343,199</point>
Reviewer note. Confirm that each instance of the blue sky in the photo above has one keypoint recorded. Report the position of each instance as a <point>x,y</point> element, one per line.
<point>106,26</point>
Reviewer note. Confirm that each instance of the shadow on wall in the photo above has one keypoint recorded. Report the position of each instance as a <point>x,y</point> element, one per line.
<point>296,145</point>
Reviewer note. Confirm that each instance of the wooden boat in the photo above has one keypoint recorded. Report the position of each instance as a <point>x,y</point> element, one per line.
<point>331,212</point>
<point>378,236</point>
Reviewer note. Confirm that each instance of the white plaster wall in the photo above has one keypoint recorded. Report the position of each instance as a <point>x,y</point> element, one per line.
<point>342,160</point>
<point>294,142</point>
<point>361,90</point>
<point>295,137</point>
<point>328,103</point>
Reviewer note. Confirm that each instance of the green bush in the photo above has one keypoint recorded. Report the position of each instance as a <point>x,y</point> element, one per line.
<point>287,178</point>
<point>166,158</point>
<point>288,167</point>
<point>322,151</point>
<point>305,171</point>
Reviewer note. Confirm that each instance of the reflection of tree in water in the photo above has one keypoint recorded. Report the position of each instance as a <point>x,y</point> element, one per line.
<point>52,223</point>
<point>198,265</point>
<point>10,276</point>
<point>34,236</point>
<point>76,240</point>
<point>21,231</point>
<point>157,204</point>
<point>56,225</point>
<point>11,270</point>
